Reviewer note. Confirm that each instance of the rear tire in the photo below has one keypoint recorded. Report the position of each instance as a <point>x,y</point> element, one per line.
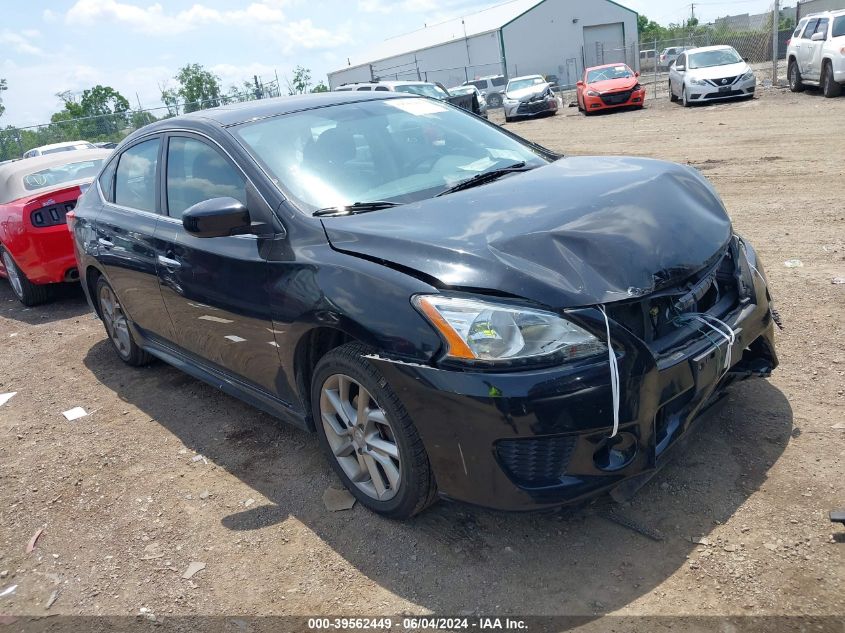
<point>795,82</point>
<point>28,293</point>
<point>372,445</point>
<point>117,327</point>
<point>830,88</point>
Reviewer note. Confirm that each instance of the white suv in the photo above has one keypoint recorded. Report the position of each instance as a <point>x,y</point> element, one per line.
<point>816,53</point>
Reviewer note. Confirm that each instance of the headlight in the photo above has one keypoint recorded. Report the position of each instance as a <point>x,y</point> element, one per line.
<point>478,330</point>
<point>748,76</point>
<point>593,93</point>
<point>698,82</point>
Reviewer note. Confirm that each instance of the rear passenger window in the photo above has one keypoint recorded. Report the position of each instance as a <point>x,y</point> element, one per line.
<point>135,179</point>
<point>107,181</point>
<point>197,172</point>
<point>498,81</point>
<point>822,27</point>
<point>364,88</point>
<point>382,89</point>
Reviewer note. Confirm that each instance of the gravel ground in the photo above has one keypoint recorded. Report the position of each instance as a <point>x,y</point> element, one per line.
<point>166,471</point>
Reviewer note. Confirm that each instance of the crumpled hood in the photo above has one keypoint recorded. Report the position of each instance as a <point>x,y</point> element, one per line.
<point>613,85</point>
<point>527,93</point>
<point>581,231</point>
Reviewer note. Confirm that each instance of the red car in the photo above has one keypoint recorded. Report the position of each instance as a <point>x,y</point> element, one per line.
<point>35,195</point>
<point>610,86</point>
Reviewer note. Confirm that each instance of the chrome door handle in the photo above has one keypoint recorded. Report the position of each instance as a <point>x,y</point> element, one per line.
<point>104,242</point>
<point>169,263</point>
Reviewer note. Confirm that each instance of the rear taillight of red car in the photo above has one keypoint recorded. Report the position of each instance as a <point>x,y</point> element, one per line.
<point>51,209</point>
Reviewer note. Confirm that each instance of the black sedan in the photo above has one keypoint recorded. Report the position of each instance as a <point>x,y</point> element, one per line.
<point>455,311</point>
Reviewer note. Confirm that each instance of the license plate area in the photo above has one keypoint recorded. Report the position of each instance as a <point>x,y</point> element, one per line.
<point>724,89</point>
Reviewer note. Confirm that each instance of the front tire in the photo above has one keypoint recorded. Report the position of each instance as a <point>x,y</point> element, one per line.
<point>672,97</point>
<point>368,436</point>
<point>495,101</point>
<point>685,98</point>
<point>795,82</point>
<point>830,88</point>
<point>117,327</point>
<point>28,293</point>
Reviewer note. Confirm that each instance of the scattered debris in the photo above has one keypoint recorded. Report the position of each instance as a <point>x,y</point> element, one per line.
<point>839,426</point>
<point>52,599</point>
<point>701,540</point>
<point>192,569</point>
<point>8,591</point>
<point>338,500</point>
<point>249,502</point>
<point>836,281</point>
<point>5,397</point>
<point>199,458</point>
<point>74,414</point>
<point>31,545</point>
<point>837,516</point>
<point>205,494</point>
<point>631,524</point>
<point>147,614</point>
<point>793,263</point>
<point>730,548</point>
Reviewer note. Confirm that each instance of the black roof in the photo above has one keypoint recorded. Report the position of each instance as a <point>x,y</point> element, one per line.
<point>235,113</point>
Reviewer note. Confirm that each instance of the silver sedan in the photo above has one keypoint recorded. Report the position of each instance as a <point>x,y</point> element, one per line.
<point>713,73</point>
<point>529,96</point>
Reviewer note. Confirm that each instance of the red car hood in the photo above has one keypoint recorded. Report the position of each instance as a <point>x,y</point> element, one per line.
<point>612,85</point>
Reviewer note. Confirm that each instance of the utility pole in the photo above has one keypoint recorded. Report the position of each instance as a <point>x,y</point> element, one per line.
<point>775,42</point>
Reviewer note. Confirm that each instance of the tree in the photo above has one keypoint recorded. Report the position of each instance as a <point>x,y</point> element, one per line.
<point>320,87</point>
<point>301,81</point>
<point>170,99</point>
<point>198,87</point>
<point>3,87</point>
<point>101,111</point>
<point>141,118</point>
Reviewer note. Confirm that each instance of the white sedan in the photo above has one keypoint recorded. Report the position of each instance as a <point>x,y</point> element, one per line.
<point>713,73</point>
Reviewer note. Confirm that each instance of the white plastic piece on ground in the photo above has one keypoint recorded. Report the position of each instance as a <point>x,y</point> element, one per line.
<point>793,263</point>
<point>193,568</point>
<point>8,591</point>
<point>74,414</point>
<point>5,397</point>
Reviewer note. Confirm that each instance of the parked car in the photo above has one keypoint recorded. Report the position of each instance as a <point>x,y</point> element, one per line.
<point>454,311</point>
<point>422,88</point>
<point>648,60</point>
<point>492,87</point>
<point>481,102</point>
<point>35,196</point>
<point>816,53</point>
<point>58,147</point>
<point>106,145</point>
<point>609,87</point>
<point>670,55</point>
<point>713,73</point>
<point>529,96</point>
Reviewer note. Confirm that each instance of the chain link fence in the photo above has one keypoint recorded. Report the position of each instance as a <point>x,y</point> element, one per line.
<point>113,127</point>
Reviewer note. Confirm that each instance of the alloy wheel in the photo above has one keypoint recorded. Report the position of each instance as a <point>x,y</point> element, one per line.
<point>115,321</point>
<point>361,437</point>
<point>12,274</point>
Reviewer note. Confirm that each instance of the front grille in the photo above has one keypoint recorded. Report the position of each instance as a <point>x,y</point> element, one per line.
<point>616,98</point>
<point>536,462</point>
<point>53,215</point>
<point>724,81</point>
<point>533,107</point>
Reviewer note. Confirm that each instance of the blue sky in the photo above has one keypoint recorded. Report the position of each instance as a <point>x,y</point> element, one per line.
<point>136,45</point>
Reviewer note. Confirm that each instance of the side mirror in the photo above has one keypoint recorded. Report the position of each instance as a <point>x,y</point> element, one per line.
<point>218,217</point>
<point>637,74</point>
<point>818,37</point>
<point>580,84</point>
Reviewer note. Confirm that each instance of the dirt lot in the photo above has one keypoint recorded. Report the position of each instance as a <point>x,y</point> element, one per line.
<point>126,505</point>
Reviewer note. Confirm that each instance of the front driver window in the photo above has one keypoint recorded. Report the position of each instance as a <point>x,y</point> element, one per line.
<point>135,182</point>
<point>197,172</point>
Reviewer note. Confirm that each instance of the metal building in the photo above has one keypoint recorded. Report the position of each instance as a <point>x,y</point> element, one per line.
<point>520,37</point>
<point>815,6</point>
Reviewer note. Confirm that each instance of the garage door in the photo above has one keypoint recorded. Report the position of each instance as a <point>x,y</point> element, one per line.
<point>604,44</point>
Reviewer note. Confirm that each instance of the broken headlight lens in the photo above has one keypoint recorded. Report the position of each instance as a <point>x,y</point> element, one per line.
<point>476,329</point>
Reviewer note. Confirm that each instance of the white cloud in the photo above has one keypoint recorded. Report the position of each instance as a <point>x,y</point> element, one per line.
<point>303,34</point>
<point>154,20</point>
<point>49,15</point>
<point>20,42</point>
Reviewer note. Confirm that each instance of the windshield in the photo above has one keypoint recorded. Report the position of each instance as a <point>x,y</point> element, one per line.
<point>58,175</point>
<point>519,84</point>
<point>425,90</point>
<point>839,26</point>
<point>399,150</point>
<point>606,74</point>
<point>709,59</point>
<point>67,148</point>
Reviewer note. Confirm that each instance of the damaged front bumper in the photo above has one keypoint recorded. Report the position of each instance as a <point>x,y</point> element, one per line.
<point>531,439</point>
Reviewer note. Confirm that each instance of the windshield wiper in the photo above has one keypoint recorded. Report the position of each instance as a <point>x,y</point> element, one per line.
<point>485,177</point>
<point>357,207</point>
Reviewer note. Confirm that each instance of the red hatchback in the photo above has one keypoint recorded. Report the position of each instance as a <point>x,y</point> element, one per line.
<point>610,86</point>
<point>35,195</point>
